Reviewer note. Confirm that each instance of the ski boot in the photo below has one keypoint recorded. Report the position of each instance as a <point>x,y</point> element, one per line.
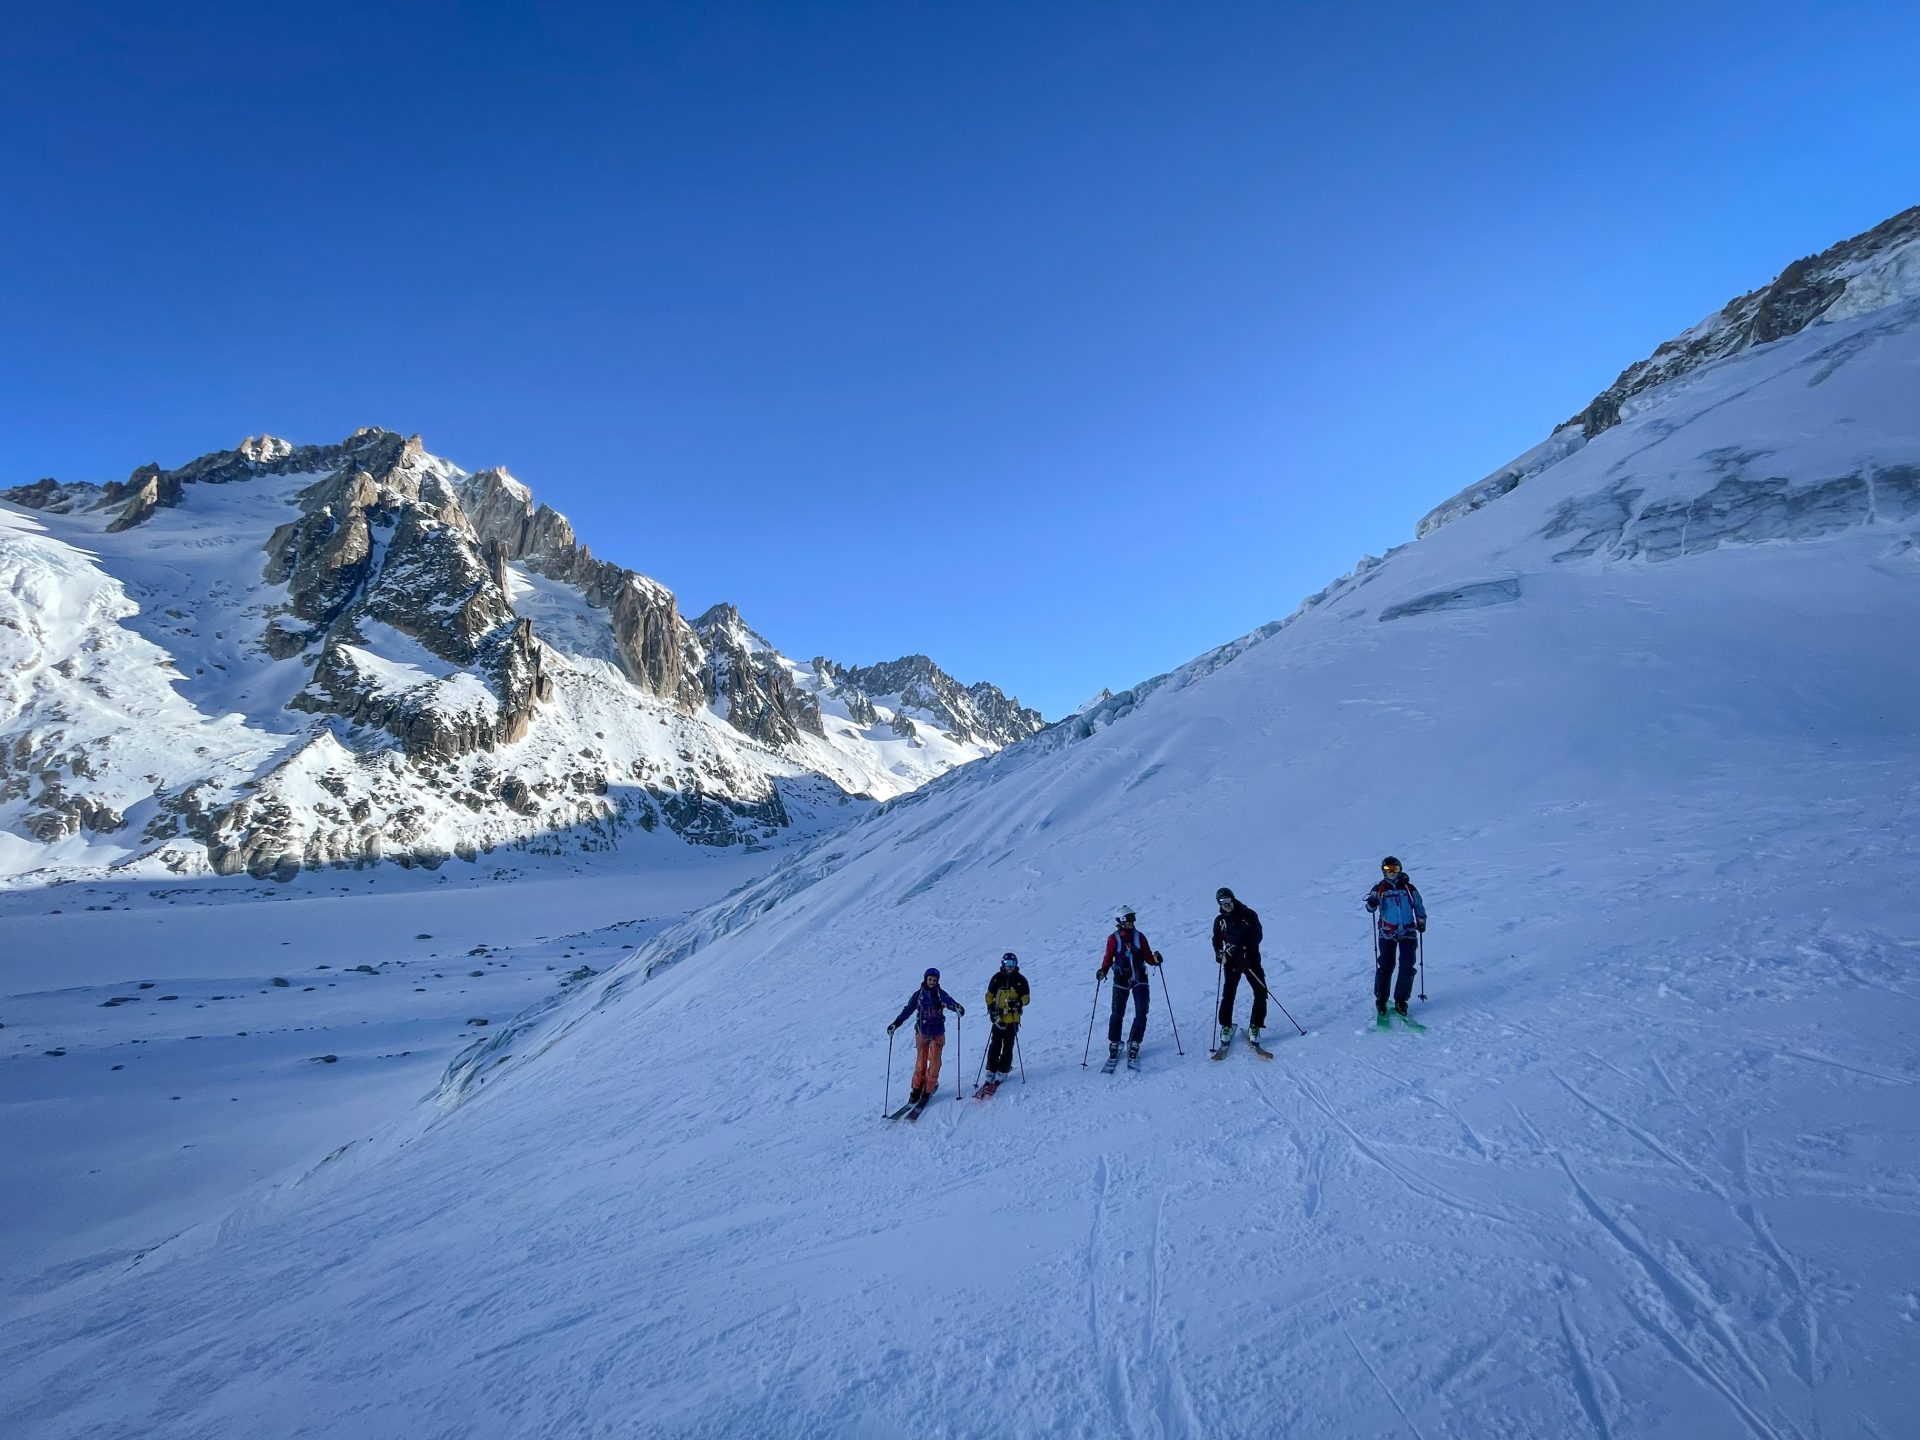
<point>914,1096</point>
<point>1380,1021</point>
<point>1253,1036</point>
<point>1133,1056</point>
<point>1226,1036</point>
<point>1113,1058</point>
<point>1400,1008</point>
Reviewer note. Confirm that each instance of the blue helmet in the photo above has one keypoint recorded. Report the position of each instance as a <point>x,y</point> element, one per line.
<point>1009,961</point>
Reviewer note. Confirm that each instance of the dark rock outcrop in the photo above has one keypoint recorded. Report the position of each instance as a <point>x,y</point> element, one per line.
<point>1798,295</point>
<point>746,680</point>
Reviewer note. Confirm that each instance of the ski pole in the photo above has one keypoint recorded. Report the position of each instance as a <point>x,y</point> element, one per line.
<point>1021,1056</point>
<point>958,1044</point>
<point>1269,994</point>
<point>981,1068</point>
<point>1167,995</point>
<point>1090,1018</point>
<point>886,1095</point>
<point>1421,935</point>
<point>1219,979</point>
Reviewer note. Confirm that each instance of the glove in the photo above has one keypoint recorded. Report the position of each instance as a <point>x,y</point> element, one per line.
<point>1101,973</point>
<point>1372,904</point>
<point>893,1027</point>
<point>1218,958</point>
<point>959,1009</point>
<point>1155,959</point>
<point>1421,926</point>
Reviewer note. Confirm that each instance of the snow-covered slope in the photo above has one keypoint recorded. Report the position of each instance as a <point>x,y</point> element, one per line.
<point>280,657</point>
<point>1643,729</point>
<point>1869,272</point>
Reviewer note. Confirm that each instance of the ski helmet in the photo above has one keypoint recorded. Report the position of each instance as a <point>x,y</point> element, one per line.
<point>1223,893</point>
<point>1391,862</point>
<point>932,974</point>
<point>1009,961</point>
<point>1122,914</point>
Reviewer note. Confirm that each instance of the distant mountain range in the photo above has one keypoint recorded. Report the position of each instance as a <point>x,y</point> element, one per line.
<point>285,655</point>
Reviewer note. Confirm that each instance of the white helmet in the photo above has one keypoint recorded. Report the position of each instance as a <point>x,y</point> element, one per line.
<point>1122,912</point>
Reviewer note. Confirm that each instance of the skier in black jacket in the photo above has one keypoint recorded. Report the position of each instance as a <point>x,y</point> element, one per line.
<point>1236,945</point>
<point>1007,996</point>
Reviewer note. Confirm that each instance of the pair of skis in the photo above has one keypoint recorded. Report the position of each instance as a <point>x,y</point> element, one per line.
<point>913,1109</point>
<point>1220,1052</point>
<point>1112,1063</point>
<point>1385,1022</point>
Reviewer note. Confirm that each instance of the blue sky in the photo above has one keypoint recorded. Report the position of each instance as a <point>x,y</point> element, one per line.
<point>1058,341</point>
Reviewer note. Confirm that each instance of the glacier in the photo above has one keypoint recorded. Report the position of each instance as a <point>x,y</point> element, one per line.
<point>1643,730</point>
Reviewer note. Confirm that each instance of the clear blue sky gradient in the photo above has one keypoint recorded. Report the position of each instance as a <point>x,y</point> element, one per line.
<point>1058,341</point>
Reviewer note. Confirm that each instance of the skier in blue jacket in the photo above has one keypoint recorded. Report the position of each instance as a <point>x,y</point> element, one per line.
<point>1399,917</point>
<point>929,1005</point>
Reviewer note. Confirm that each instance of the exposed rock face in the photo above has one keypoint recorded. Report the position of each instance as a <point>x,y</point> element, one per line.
<point>1799,295</point>
<point>659,650</point>
<point>1869,271</point>
<point>745,679</point>
<point>151,488</point>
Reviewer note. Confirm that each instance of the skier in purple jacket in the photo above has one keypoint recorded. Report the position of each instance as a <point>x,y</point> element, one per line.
<point>928,1005</point>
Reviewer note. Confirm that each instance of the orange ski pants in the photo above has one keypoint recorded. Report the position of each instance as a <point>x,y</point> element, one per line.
<point>926,1063</point>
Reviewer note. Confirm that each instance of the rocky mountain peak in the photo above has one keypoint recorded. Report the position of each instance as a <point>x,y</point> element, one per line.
<point>387,655</point>
<point>980,712</point>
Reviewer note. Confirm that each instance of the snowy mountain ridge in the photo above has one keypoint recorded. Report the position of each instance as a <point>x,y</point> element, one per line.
<point>1868,272</point>
<point>376,654</point>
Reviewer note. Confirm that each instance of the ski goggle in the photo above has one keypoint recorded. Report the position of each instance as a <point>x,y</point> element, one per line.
<point>1009,961</point>
<point>1123,919</point>
<point>1390,869</point>
<point>1226,902</point>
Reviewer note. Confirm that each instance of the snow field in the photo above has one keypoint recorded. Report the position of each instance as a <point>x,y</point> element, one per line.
<point>164,1048</point>
<point>1642,730</point>
<point>1645,1175</point>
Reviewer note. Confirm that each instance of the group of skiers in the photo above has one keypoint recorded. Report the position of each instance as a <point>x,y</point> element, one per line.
<point>1399,919</point>
<point>1007,996</point>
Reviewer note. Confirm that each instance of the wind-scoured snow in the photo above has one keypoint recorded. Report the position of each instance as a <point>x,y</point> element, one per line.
<point>1643,730</point>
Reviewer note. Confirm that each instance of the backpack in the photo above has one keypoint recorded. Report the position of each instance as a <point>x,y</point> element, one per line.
<point>1129,959</point>
<point>1397,915</point>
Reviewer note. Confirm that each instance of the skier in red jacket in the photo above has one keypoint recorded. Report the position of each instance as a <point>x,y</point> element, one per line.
<point>1128,956</point>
